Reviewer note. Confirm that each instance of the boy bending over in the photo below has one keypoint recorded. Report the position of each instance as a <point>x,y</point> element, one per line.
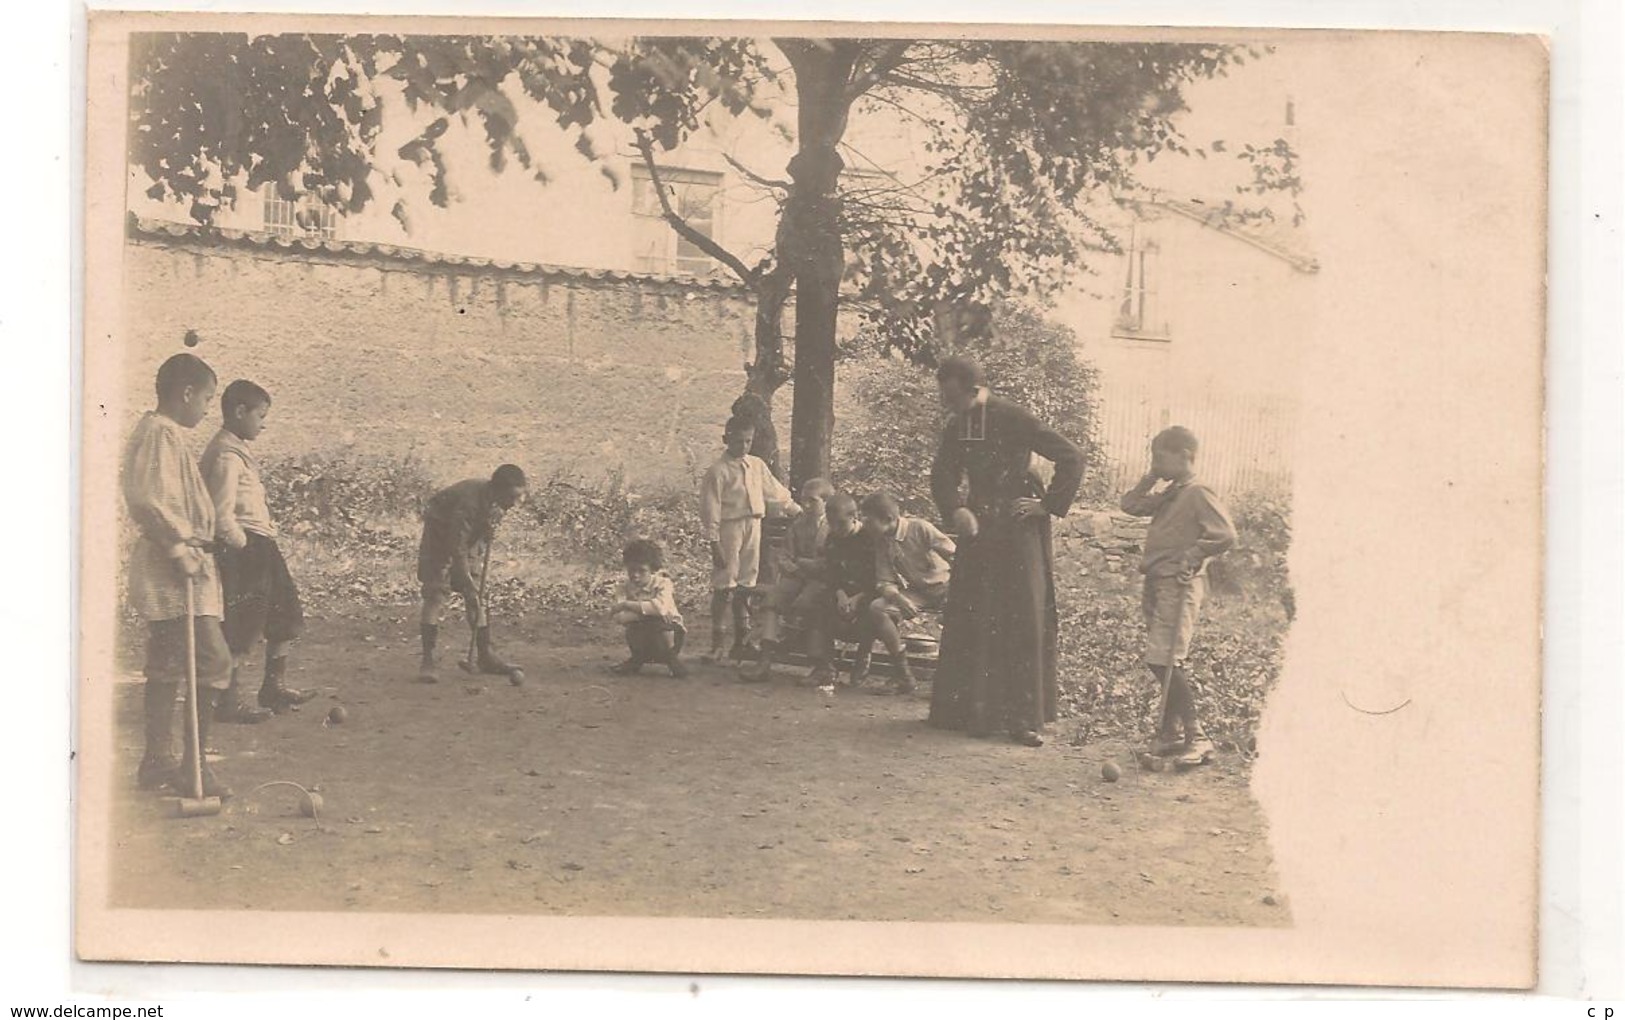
<point>459,523</point>
<point>913,557</point>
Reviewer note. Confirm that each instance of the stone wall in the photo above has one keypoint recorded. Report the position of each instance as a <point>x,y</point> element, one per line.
<point>1103,541</point>
<point>461,363</point>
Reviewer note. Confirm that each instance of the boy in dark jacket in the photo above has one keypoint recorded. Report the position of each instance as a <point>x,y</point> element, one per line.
<point>459,523</point>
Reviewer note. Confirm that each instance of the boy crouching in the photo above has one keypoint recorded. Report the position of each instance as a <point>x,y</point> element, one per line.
<point>648,611</point>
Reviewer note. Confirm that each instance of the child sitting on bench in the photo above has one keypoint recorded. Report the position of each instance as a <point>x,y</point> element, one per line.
<point>798,589</point>
<point>912,558</point>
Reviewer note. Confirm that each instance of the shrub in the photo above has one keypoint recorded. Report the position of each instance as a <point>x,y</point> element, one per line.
<point>888,432</point>
<point>1257,564</point>
<point>595,520</point>
<point>343,497</point>
<point>1236,654</point>
<point>891,419</point>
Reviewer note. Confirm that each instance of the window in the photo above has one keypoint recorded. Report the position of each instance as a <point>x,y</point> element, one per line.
<point>656,248</point>
<point>303,218</point>
<point>1139,316</point>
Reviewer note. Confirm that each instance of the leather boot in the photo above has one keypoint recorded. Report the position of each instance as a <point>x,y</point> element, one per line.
<point>488,660</point>
<point>275,696</point>
<point>741,615</point>
<point>428,668</point>
<point>233,709</point>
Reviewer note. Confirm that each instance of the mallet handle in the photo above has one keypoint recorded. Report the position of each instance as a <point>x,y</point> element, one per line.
<point>191,690</point>
<point>473,623</point>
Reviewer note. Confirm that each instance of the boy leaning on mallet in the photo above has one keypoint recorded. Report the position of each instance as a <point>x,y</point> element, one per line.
<point>173,581</point>
<point>1189,526</point>
<point>459,523</point>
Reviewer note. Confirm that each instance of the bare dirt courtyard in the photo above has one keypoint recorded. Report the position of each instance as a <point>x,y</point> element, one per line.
<point>584,793</point>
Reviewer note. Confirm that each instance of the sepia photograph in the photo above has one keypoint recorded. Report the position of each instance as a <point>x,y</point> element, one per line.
<point>925,488</point>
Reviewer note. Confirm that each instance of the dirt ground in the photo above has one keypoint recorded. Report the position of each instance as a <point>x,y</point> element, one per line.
<point>586,793</point>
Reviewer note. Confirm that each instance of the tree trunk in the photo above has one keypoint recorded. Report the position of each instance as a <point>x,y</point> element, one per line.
<point>816,256</point>
<point>767,373</point>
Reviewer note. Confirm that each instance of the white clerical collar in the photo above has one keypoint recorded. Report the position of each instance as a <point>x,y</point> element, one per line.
<point>973,428</point>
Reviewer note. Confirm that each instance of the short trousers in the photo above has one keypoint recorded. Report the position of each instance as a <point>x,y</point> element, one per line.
<point>1171,610</point>
<point>925,598</point>
<point>166,652</point>
<point>741,542</point>
<point>435,556</point>
<point>261,598</point>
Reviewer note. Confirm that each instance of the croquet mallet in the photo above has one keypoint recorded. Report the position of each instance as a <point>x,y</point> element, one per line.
<point>471,663</point>
<point>197,805</point>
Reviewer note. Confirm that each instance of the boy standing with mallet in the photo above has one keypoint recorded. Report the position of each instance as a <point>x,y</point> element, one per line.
<point>737,491</point>
<point>1189,526</point>
<point>459,523</point>
<point>173,582</point>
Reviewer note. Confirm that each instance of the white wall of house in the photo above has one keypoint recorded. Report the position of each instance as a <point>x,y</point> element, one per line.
<point>1217,349</point>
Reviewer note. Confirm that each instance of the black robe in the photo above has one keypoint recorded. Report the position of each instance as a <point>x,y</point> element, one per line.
<point>997,665</point>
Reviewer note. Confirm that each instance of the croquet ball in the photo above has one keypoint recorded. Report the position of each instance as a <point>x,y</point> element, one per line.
<point>516,677</point>
<point>337,715</point>
<point>309,804</point>
<point>191,339</point>
<point>1110,772</point>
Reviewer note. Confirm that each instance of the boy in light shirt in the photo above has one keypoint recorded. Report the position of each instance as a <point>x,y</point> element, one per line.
<point>174,519</point>
<point>261,599</point>
<point>737,491</point>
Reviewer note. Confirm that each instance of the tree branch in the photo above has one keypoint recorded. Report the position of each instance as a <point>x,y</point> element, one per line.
<point>754,177</point>
<point>889,60</point>
<point>677,223</point>
<point>948,90</point>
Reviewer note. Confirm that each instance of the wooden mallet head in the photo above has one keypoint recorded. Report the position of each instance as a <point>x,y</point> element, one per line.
<point>196,807</point>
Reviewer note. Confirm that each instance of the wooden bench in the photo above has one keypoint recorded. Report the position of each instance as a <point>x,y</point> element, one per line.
<point>922,635</point>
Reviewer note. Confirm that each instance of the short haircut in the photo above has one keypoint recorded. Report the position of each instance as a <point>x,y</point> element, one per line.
<point>180,371</point>
<point>881,504</point>
<point>1177,438</point>
<point>509,476</point>
<point>641,552</point>
<point>962,370</point>
<point>817,488</point>
<point>737,424</point>
<point>843,502</point>
<point>242,393</point>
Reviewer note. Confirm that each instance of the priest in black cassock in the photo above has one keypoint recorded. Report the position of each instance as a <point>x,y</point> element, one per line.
<point>996,673</point>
